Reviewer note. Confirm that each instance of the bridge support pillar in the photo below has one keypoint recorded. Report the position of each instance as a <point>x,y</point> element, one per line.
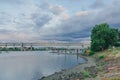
<point>31,48</point>
<point>22,47</point>
<point>6,45</point>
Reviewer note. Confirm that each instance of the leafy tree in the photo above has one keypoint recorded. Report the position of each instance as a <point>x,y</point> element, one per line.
<point>118,35</point>
<point>103,36</point>
<point>118,42</point>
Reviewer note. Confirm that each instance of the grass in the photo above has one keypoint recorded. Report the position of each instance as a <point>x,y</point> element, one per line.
<point>117,78</point>
<point>107,53</point>
<point>102,59</point>
<point>102,56</point>
<point>86,73</point>
<point>118,48</point>
<point>100,68</point>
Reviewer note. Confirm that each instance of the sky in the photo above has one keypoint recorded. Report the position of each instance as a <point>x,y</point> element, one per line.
<point>55,20</point>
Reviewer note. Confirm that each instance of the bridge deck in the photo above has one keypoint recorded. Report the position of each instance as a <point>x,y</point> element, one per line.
<point>43,44</point>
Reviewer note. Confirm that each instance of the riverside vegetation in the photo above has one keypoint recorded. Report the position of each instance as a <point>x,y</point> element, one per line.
<point>103,65</point>
<point>104,52</point>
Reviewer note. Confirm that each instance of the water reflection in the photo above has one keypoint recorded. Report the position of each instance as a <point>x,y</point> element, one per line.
<point>34,65</point>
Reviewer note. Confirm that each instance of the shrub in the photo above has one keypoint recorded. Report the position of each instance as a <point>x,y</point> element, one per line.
<point>91,53</point>
<point>101,56</point>
<point>86,52</point>
<point>86,73</point>
<point>118,48</point>
<point>95,75</point>
<point>117,44</point>
<point>110,50</point>
<point>100,68</point>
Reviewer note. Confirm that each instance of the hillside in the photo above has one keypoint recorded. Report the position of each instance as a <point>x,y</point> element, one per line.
<point>108,64</point>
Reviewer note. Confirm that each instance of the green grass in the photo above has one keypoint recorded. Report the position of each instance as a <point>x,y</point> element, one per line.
<point>102,56</point>
<point>118,78</point>
<point>91,53</point>
<point>109,50</point>
<point>86,73</point>
<point>118,48</point>
<point>100,68</point>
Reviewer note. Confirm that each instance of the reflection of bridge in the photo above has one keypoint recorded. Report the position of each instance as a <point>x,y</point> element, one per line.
<point>43,44</point>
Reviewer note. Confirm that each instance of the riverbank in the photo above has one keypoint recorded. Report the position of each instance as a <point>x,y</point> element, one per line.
<point>66,74</point>
<point>103,65</point>
<point>108,64</point>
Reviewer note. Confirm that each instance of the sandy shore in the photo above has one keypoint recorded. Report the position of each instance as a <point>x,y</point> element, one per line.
<point>77,69</point>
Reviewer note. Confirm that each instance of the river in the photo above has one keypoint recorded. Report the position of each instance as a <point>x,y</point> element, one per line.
<point>32,65</point>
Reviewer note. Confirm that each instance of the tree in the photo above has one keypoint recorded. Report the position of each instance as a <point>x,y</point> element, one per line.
<point>103,36</point>
<point>118,35</point>
<point>118,42</point>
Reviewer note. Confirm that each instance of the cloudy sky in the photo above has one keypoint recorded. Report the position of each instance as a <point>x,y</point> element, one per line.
<point>55,20</point>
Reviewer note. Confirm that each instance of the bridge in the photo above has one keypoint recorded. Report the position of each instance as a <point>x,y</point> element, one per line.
<point>51,45</point>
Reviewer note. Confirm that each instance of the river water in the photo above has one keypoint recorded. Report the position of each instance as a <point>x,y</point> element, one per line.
<point>32,65</point>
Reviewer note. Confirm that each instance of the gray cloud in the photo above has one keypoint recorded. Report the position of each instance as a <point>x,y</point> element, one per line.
<point>98,4</point>
<point>5,18</point>
<point>5,31</point>
<point>40,19</point>
<point>49,22</point>
<point>15,35</point>
<point>45,6</point>
<point>78,27</point>
<point>110,14</point>
<point>13,1</point>
<point>56,10</point>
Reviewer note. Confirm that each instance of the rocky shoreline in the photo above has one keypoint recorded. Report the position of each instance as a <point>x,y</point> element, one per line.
<point>73,72</point>
<point>104,65</point>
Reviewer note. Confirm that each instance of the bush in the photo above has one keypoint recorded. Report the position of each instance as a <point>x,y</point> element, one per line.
<point>86,73</point>
<point>86,52</point>
<point>118,48</point>
<point>91,53</point>
<point>101,56</point>
<point>117,44</point>
<point>100,68</point>
<point>110,50</point>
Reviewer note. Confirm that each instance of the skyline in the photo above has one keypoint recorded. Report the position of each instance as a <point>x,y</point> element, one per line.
<point>59,20</point>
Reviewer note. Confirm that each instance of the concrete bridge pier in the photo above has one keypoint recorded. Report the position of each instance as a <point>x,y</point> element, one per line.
<point>31,47</point>
<point>14,46</point>
<point>6,45</point>
<point>22,47</point>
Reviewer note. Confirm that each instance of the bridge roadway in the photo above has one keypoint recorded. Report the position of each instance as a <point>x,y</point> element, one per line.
<point>54,46</point>
<point>44,44</point>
